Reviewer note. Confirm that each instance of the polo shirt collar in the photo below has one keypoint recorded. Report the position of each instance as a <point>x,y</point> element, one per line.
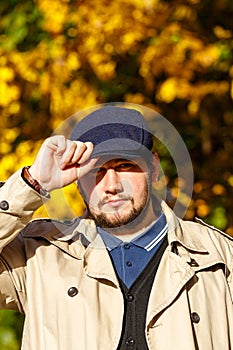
<point>146,240</point>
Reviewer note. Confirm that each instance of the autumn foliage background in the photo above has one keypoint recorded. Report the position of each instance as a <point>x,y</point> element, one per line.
<point>58,57</point>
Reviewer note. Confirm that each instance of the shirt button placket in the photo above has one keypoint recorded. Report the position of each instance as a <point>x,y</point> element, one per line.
<point>129,297</point>
<point>130,342</point>
<point>127,246</point>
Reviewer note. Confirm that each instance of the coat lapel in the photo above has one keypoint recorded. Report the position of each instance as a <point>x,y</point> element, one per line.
<point>177,268</point>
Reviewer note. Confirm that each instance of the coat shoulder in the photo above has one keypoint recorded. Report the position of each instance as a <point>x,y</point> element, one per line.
<point>214,229</point>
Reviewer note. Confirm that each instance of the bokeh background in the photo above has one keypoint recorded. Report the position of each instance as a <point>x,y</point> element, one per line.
<point>58,57</point>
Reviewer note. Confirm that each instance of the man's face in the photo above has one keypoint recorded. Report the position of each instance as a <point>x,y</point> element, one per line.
<point>116,191</point>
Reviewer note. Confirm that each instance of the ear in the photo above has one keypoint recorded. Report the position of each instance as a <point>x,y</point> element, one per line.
<point>155,167</point>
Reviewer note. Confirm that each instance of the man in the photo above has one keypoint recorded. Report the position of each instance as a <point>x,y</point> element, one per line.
<point>128,274</point>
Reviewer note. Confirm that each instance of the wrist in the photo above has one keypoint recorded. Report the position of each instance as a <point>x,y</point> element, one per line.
<point>33,183</point>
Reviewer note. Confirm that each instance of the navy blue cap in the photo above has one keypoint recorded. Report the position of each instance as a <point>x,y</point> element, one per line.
<point>115,131</point>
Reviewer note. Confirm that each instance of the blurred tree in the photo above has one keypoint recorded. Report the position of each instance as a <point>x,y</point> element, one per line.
<point>60,56</point>
<point>11,324</point>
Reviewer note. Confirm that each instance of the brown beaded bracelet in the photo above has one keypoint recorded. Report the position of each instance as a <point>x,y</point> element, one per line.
<point>33,183</point>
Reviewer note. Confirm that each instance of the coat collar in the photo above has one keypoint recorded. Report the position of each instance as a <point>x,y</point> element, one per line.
<point>183,234</point>
<point>195,242</point>
<point>177,232</point>
<point>191,239</point>
<point>195,248</point>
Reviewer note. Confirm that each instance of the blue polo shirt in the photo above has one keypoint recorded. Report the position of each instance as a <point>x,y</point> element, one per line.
<point>130,258</point>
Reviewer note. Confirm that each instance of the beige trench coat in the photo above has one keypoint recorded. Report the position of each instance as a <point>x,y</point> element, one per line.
<point>71,297</point>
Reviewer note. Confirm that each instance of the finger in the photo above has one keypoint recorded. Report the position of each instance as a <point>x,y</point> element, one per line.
<point>81,153</point>
<point>87,153</point>
<point>57,144</point>
<point>68,154</point>
<point>74,153</point>
<point>51,148</point>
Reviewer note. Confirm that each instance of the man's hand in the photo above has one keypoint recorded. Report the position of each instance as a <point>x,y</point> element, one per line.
<point>60,162</point>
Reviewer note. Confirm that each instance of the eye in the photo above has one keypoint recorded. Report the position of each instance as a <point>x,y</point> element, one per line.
<point>127,166</point>
<point>98,173</point>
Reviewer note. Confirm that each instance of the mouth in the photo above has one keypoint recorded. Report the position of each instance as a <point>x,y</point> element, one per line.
<point>115,202</point>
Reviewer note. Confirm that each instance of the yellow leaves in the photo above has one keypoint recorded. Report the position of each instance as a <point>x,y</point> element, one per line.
<point>135,98</point>
<point>106,71</point>
<point>202,208</point>
<point>229,230</point>
<point>24,155</point>
<point>218,190</point>
<point>211,87</point>
<point>184,12</point>
<point>9,93</point>
<point>231,75</point>
<point>55,14</point>
<point>88,52</point>
<point>129,39</point>
<point>141,4</point>
<point>116,22</point>
<point>180,196</point>
<point>9,135</point>
<point>230,180</point>
<point>8,165</point>
<point>168,53</point>
<point>207,205</point>
<point>198,187</point>
<point>168,90</point>
<point>73,61</point>
<point>27,64</point>
<point>5,148</point>
<point>56,49</point>
<point>44,83</point>
<point>70,204</point>
<point>26,152</point>
<point>231,91</point>
<point>193,107</point>
<point>66,101</point>
<point>207,56</point>
<point>222,33</point>
<point>103,67</point>
<point>181,55</point>
<point>173,88</point>
<point>7,74</point>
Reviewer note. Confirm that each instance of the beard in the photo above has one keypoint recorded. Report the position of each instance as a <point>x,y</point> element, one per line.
<point>132,214</point>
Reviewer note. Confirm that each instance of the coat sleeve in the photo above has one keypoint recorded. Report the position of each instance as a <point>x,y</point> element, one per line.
<point>18,201</point>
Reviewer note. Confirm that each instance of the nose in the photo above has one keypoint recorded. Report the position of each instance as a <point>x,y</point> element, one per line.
<point>112,182</point>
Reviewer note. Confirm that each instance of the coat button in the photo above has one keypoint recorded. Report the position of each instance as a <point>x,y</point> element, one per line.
<point>195,317</point>
<point>72,291</point>
<point>4,205</point>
